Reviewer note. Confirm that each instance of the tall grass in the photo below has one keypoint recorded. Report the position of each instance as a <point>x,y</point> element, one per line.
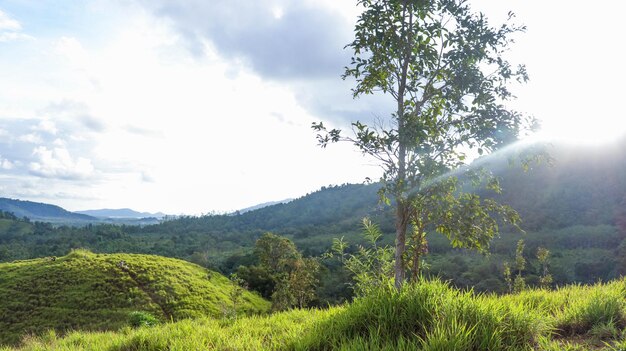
<point>430,316</point>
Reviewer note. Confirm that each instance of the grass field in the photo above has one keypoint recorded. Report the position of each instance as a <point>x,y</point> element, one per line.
<point>430,316</point>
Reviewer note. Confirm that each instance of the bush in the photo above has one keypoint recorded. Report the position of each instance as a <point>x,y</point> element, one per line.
<point>142,319</point>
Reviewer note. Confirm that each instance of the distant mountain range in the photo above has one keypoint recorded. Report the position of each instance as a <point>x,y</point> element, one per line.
<point>121,213</point>
<point>42,212</point>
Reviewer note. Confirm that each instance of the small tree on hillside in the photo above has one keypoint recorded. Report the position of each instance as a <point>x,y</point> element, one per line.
<point>543,256</point>
<point>506,271</point>
<point>443,66</point>
<point>520,264</point>
<point>294,277</point>
<point>371,265</point>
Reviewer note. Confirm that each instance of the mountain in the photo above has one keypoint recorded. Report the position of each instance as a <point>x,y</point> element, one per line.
<point>41,211</point>
<point>87,291</point>
<point>265,204</point>
<point>121,213</point>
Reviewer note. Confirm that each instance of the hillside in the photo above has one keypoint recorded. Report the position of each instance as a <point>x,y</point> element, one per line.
<point>90,291</point>
<point>261,205</point>
<point>431,316</point>
<point>584,186</point>
<point>41,211</point>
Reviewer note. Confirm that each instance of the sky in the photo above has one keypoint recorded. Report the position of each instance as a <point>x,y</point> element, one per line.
<point>202,106</point>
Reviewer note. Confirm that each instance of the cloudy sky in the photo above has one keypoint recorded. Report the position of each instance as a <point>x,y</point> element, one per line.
<point>205,105</point>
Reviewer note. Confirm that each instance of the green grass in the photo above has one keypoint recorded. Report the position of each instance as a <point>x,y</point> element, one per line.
<point>431,316</point>
<point>90,291</point>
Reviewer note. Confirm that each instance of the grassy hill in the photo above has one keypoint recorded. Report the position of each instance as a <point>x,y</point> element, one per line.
<point>431,316</point>
<point>90,291</point>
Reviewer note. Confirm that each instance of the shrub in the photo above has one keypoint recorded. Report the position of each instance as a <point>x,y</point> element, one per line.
<point>142,319</point>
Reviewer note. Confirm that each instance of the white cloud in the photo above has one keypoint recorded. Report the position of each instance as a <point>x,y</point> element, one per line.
<point>10,29</point>
<point>13,36</point>
<point>58,163</point>
<point>33,138</point>
<point>73,50</point>
<point>46,126</point>
<point>5,164</point>
<point>8,23</point>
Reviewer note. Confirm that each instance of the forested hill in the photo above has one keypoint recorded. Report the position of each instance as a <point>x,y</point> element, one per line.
<point>41,211</point>
<point>584,186</point>
<point>581,186</point>
<point>334,205</point>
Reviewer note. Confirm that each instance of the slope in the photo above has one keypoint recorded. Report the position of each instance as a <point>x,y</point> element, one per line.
<point>90,291</point>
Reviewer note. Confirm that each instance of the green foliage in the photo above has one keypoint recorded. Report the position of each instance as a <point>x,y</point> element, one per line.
<point>507,276</point>
<point>138,319</point>
<point>90,291</point>
<point>519,284</point>
<point>543,255</point>
<point>520,263</point>
<point>371,266</point>
<point>292,278</point>
<point>444,68</point>
<point>276,253</point>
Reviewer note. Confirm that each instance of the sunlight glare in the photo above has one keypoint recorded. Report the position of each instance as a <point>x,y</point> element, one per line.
<point>597,130</point>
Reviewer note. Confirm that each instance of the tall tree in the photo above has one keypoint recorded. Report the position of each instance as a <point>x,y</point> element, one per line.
<point>444,67</point>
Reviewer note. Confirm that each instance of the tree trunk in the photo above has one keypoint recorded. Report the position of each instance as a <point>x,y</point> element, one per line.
<point>419,242</point>
<point>401,221</point>
<point>401,214</point>
<point>415,268</point>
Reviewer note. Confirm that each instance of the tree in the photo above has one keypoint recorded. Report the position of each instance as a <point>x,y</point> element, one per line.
<point>443,66</point>
<point>543,256</point>
<point>370,265</point>
<point>293,278</point>
<point>520,263</point>
<point>507,276</point>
